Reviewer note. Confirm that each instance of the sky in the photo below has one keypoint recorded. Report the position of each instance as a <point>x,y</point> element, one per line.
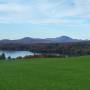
<point>44,18</point>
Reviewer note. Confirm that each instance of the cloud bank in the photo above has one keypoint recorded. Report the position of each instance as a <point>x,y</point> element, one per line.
<point>45,11</point>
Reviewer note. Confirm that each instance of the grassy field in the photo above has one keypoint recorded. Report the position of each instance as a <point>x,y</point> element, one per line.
<point>46,74</point>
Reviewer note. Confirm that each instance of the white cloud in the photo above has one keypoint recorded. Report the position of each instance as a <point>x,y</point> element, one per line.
<point>47,21</point>
<point>45,11</point>
<point>15,11</point>
<point>82,8</point>
<point>66,8</point>
<point>58,9</point>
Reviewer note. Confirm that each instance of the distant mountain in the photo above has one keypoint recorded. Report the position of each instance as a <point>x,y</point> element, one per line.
<point>26,40</point>
<point>29,40</point>
<point>63,39</point>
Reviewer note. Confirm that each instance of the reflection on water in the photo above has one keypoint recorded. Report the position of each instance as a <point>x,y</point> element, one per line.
<point>14,54</point>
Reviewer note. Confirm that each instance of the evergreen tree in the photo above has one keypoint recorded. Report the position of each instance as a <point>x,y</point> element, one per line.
<point>2,56</point>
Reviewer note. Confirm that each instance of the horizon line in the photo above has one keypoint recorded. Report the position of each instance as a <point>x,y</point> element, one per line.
<point>43,38</point>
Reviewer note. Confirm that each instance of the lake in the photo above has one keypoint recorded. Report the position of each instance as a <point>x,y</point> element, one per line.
<point>14,54</point>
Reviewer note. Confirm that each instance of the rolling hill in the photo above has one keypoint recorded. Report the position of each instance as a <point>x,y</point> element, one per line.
<point>29,40</point>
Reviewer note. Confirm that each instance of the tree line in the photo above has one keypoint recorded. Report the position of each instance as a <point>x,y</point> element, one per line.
<point>52,49</point>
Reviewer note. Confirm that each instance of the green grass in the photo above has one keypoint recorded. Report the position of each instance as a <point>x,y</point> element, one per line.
<point>46,74</point>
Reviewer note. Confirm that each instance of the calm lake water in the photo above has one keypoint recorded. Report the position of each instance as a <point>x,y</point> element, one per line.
<point>14,54</point>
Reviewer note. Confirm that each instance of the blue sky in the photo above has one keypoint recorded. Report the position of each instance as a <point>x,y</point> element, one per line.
<point>44,18</point>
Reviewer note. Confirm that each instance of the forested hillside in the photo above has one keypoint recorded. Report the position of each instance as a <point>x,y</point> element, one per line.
<point>71,49</point>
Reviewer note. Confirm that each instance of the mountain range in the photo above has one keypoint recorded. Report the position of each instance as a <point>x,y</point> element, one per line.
<point>29,40</point>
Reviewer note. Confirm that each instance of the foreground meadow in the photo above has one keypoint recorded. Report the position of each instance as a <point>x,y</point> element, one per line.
<point>46,74</point>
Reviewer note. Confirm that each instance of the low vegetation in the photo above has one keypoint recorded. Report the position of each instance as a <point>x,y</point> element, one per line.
<point>46,74</point>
